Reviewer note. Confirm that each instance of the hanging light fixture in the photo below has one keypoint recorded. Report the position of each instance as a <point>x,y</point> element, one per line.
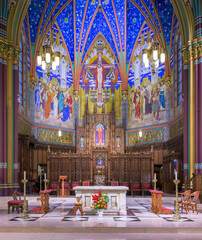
<point>152,55</point>
<point>140,133</point>
<point>48,58</point>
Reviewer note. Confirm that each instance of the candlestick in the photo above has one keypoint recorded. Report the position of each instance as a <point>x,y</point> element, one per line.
<point>175,175</point>
<point>40,180</point>
<point>176,215</point>
<point>24,213</point>
<point>45,181</point>
<point>154,181</point>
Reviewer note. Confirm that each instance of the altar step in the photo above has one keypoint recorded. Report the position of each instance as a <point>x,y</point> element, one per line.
<point>148,230</point>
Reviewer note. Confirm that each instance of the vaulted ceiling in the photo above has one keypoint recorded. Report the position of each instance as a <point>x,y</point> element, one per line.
<point>119,21</point>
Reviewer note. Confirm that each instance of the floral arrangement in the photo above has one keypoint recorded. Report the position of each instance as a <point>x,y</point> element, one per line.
<point>100,201</point>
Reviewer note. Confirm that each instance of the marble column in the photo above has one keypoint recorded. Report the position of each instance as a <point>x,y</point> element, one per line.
<point>192,90</point>
<point>3,143</point>
<point>124,107</point>
<point>185,119</point>
<point>200,111</point>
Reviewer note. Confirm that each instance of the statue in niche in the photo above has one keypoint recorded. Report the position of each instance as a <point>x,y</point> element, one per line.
<point>82,141</point>
<point>118,142</point>
<point>100,134</point>
<point>161,88</point>
<point>137,66</point>
<point>63,72</point>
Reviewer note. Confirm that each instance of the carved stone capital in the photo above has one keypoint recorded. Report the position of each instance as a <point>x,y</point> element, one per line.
<point>3,50</point>
<point>185,56</point>
<point>191,52</point>
<point>10,53</point>
<point>124,95</point>
<point>16,57</point>
<point>32,82</point>
<point>168,82</point>
<point>76,95</point>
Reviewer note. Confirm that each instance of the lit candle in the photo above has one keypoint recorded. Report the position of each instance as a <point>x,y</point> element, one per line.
<point>175,175</point>
<point>45,175</point>
<point>154,176</point>
<point>24,175</point>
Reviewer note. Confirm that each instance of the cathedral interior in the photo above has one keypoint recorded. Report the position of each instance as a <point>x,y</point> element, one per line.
<point>101,93</point>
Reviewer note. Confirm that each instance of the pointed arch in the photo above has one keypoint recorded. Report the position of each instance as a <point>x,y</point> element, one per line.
<point>15,19</point>
<point>139,34</point>
<point>105,40</point>
<point>61,35</point>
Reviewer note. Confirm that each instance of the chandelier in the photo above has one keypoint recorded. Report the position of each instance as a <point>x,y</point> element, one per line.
<point>153,53</point>
<point>48,58</point>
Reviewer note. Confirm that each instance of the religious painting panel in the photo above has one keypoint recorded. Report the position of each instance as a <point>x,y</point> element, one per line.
<point>54,89</point>
<point>100,76</point>
<point>146,85</point>
<point>100,134</point>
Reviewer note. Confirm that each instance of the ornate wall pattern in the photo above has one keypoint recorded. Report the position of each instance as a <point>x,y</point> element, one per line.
<point>51,136</point>
<point>24,128</point>
<point>148,136</point>
<point>176,128</point>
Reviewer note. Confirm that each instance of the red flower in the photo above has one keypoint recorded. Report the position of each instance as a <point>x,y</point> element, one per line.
<point>100,195</point>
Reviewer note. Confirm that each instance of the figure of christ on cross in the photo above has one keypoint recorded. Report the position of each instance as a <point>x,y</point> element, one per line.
<point>99,76</point>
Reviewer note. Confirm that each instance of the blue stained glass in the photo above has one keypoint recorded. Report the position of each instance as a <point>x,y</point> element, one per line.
<point>179,99</point>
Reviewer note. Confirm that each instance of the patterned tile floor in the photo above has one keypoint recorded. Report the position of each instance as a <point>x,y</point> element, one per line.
<point>142,221</point>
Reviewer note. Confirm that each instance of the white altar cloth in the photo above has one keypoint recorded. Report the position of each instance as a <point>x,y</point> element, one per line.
<point>116,194</point>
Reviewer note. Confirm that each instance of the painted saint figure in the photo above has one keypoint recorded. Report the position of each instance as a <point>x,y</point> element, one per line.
<point>100,134</point>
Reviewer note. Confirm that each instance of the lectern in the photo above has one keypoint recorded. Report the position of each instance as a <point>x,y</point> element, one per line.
<point>62,191</point>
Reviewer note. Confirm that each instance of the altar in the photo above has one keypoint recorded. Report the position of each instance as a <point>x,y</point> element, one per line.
<point>116,194</point>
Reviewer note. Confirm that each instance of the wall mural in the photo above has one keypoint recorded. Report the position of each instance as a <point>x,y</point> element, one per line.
<point>100,134</point>
<point>53,91</point>
<point>146,87</point>
<point>100,75</point>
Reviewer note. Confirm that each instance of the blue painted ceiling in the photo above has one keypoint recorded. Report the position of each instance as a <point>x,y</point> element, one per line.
<point>125,18</point>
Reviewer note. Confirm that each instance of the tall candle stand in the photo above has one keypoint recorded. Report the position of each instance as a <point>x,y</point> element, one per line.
<point>177,215</point>
<point>154,181</point>
<point>45,181</point>
<point>24,213</point>
<point>40,181</point>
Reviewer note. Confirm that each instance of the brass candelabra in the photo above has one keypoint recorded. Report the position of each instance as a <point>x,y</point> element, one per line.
<point>177,215</point>
<point>45,181</point>
<point>24,213</point>
<point>154,181</point>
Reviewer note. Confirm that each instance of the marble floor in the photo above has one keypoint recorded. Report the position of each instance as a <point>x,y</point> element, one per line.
<point>139,224</point>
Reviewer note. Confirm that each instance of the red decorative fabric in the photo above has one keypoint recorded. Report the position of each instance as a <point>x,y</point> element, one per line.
<point>136,186</point>
<point>85,183</point>
<point>146,186</point>
<point>153,191</point>
<point>165,209</point>
<point>15,201</point>
<point>36,209</point>
<point>44,191</point>
<point>66,185</point>
<point>53,185</point>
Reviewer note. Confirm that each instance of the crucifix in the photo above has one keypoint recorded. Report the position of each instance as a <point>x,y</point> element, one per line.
<point>99,67</point>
